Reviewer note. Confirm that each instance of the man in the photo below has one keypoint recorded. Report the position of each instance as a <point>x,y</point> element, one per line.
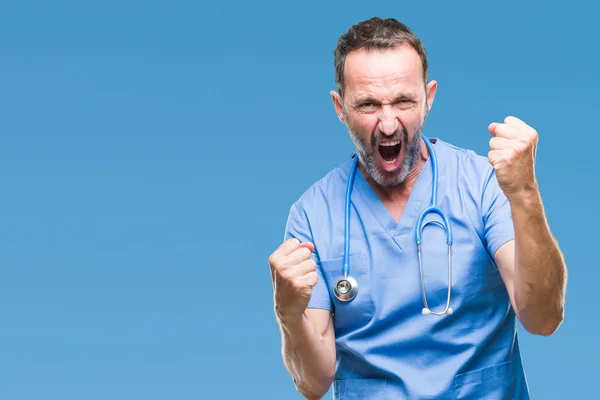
<point>385,343</point>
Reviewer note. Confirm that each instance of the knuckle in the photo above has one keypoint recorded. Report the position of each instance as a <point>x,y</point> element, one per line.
<point>516,150</point>
<point>285,273</point>
<point>534,132</point>
<point>306,292</point>
<point>304,252</point>
<point>298,284</point>
<point>534,136</point>
<point>308,252</point>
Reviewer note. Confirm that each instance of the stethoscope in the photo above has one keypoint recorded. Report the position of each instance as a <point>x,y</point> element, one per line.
<point>345,288</point>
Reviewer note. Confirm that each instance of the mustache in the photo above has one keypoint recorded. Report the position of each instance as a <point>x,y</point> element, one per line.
<point>377,137</point>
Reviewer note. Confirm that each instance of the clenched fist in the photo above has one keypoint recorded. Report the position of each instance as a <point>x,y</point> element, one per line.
<point>293,274</point>
<point>512,154</point>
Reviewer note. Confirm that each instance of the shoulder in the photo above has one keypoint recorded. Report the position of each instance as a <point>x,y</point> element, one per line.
<point>324,191</point>
<point>467,159</point>
<point>318,205</point>
<point>468,168</point>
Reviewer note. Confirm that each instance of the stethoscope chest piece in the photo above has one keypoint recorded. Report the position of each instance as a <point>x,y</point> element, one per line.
<point>345,288</point>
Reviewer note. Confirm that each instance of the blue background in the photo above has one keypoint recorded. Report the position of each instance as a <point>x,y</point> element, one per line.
<point>149,154</point>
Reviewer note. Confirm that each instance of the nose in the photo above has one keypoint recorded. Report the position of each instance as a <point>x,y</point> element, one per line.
<point>388,123</point>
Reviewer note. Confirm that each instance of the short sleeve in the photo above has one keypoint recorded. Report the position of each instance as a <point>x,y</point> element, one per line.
<point>496,212</point>
<point>298,227</point>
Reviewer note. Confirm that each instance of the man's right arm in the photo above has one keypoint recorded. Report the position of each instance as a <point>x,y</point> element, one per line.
<point>308,349</point>
<point>307,334</point>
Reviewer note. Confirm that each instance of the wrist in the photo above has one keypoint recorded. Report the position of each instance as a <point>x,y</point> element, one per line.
<point>525,198</point>
<point>294,330</point>
<point>290,322</point>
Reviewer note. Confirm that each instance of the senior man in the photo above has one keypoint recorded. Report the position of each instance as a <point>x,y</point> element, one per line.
<point>403,270</point>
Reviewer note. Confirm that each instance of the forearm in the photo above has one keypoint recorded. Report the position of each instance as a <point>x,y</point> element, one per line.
<point>307,358</point>
<point>540,270</point>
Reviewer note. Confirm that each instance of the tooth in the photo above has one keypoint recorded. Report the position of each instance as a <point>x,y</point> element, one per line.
<point>394,143</point>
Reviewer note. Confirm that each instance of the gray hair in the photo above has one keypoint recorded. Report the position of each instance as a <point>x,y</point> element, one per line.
<point>375,34</point>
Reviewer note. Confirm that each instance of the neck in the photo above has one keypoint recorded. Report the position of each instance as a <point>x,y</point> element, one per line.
<point>401,192</point>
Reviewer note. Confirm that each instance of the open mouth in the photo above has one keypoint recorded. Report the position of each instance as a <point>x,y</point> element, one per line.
<point>389,151</point>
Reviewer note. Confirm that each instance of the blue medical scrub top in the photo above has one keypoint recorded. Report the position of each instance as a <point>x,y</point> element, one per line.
<point>386,348</point>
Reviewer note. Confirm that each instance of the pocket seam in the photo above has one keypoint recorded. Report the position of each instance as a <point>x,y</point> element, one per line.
<point>333,269</point>
<point>377,385</point>
<point>477,376</point>
<point>356,260</point>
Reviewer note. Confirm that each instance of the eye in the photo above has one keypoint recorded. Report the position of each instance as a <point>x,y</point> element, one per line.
<point>405,103</point>
<point>367,106</point>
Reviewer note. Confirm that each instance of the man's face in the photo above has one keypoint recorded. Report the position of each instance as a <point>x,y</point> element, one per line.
<point>385,106</point>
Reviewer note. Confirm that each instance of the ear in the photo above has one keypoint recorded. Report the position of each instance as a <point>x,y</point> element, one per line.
<point>431,89</point>
<point>337,104</point>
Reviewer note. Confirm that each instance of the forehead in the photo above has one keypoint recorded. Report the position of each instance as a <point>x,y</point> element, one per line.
<point>383,72</point>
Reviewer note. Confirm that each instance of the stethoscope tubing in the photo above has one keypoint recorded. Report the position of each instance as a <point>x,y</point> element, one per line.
<point>346,287</point>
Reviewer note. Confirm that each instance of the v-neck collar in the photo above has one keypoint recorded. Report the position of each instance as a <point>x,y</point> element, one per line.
<point>419,198</point>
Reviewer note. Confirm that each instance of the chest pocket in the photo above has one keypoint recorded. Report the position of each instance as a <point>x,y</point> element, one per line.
<point>359,311</point>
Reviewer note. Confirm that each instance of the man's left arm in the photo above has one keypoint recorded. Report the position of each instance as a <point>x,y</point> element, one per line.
<point>532,265</point>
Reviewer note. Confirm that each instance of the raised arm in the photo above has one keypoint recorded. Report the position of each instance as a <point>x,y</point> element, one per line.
<point>532,266</point>
<point>307,335</point>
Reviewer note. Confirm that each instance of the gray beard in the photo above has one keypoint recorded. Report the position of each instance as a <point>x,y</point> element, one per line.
<point>367,155</point>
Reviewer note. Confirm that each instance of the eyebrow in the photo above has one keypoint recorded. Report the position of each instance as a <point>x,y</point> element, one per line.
<point>370,99</point>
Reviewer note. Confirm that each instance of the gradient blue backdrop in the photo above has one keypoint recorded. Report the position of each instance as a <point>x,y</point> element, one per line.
<point>149,154</point>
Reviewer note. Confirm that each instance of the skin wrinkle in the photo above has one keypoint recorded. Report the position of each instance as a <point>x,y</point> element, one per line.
<point>400,103</point>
